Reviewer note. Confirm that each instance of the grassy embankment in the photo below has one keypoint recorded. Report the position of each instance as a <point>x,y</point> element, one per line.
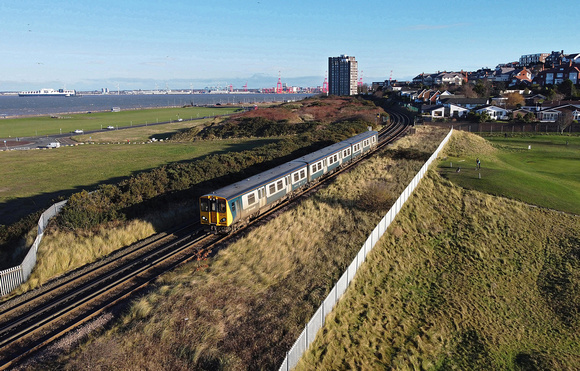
<point>46,125</point>
<point>247,308</point>
<point>465,280</point>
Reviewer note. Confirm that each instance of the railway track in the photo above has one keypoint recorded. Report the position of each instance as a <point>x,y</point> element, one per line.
<point>37,319</point>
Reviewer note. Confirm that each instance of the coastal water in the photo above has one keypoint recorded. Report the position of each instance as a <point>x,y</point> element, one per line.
<point>11,106</point>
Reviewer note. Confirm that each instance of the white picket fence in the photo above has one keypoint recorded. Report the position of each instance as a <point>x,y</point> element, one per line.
<point>13,277</point>
<point>317,321</point>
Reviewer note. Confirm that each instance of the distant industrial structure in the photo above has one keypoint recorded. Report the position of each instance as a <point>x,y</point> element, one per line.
<point>342,75</point>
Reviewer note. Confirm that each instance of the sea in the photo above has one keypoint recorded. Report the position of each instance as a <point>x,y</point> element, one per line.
<point>15,106</point>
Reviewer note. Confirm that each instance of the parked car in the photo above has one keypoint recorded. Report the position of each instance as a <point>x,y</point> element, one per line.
<point>53,145</point>
<point>78,131</point>
<point>110,127</point>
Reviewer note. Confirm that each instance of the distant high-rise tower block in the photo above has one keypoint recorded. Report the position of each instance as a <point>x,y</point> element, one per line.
<point>342,75</point>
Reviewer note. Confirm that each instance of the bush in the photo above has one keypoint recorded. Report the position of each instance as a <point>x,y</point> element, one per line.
<point>376,197</point>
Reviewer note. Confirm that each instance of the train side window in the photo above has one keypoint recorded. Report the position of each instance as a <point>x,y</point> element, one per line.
<point>251,199</point>
<point>279,185</point>
<point>233,206</point>
<point>222,206</point>
<point>320,166</point>
<point>204,205</point>
<point>302,174</point>
<point>260,194</point>
<point>272,188</point>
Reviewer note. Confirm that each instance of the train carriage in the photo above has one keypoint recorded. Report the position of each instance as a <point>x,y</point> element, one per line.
<point>241,200</point>
<point>324,160</point>
<point>363,142</point>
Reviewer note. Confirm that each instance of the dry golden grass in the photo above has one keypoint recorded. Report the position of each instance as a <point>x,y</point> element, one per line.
<point>247,308</point>
<point>62,251</point>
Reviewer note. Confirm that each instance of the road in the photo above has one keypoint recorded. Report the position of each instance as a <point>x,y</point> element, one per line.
<point>25,143</point>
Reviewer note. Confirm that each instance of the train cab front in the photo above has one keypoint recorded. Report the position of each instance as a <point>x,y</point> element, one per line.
<point>214,213</point>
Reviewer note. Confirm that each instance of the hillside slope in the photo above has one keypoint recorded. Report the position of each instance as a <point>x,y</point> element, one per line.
<point>462,280</point>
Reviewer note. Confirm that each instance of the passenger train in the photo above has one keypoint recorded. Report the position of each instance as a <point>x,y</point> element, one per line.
<point>227,208</point>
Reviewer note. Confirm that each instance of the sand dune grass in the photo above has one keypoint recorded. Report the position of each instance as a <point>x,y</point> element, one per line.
<point>62,251</point>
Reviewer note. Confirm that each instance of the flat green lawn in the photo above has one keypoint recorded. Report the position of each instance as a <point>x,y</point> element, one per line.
<point>547,174</point>
<point>45,125</point>
<point>33,178</point>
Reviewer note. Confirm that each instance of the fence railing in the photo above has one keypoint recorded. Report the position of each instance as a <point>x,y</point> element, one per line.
<point>13,277</point>
<point>317,321</point>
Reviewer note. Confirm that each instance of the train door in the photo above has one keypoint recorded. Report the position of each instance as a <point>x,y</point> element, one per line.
<point>213,210</point>
<point>217,206</point>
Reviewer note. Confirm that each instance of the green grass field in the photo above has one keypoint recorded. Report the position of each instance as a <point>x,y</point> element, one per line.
<point>546,175</point>
<point>33,178</point>
<point>45,125</point>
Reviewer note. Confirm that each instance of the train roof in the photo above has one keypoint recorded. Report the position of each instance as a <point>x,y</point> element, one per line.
<point>258,180</point>
<point>327,151</point>
<point>362,136</point>
<point>253,182</point>
<point>323,153</point>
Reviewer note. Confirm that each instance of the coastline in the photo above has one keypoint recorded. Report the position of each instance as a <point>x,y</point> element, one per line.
<point>21,107</point>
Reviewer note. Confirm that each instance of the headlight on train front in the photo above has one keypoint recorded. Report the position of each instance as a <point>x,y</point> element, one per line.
<point>203,218</point>
<point>223,220</point>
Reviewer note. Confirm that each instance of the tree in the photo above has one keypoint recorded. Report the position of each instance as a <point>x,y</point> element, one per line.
<point>467,90</point>
<point>529,117</point>
<point>514,100</point>
<point>483,88</point>
<point>553,95</point>
<point>567,88</point>
<point>565,119</point>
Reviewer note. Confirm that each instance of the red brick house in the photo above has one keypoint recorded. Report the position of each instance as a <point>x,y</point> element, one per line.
<point>558,74</point>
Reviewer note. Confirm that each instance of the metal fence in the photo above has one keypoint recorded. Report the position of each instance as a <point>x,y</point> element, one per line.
<point>317,321</point>
<point>13,277</point>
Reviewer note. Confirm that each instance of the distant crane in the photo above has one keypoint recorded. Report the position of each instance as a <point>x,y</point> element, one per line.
<point>390,77</point>
<point>231,88</point>
<point>360,81</point>
<point>279,85</point>
<point>245,86</point>
<point>325,83</point>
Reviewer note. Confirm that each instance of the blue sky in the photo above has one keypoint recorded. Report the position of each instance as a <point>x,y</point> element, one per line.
<point>84,44</point>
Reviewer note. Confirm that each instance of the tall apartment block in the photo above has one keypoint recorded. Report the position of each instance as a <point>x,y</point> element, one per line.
<point>342,75</point>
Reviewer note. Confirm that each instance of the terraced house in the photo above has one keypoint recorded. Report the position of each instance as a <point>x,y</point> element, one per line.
<point>559,74</point>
